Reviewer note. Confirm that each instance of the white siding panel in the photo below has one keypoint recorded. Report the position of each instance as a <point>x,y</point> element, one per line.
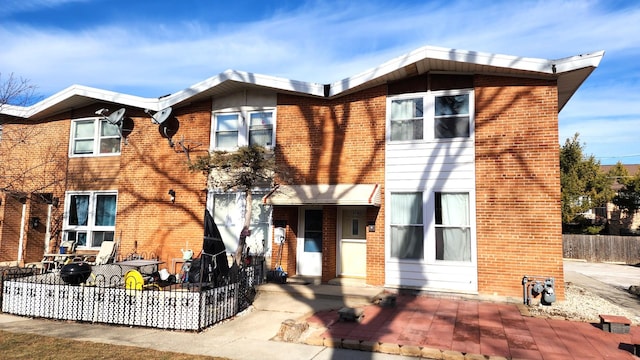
<point>453,277</point>
<point>428,166</point>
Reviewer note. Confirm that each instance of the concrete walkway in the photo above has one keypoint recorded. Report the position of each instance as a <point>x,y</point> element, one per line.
<point>427,326</point>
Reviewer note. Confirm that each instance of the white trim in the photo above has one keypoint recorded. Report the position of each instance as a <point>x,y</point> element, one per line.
<point>90,227</point>
<point>535,65</point>
<point>97,121</point>
<point>532,66</point>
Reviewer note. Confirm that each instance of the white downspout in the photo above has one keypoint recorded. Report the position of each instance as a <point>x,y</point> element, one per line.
<point>22,224</point>
<point>47,234</point>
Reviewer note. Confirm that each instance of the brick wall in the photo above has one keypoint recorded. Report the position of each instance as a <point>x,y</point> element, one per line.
<point>149,167</point>
<point>34,158</point>
<point>518,183</point>
<point>332,142</point>
<point>143,174</point>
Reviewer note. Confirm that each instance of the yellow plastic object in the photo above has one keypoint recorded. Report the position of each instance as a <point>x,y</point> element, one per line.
<point>133,280</point>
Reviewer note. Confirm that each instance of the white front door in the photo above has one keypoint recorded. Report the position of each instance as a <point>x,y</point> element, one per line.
<point>352,249</point>
<point>309,252</point>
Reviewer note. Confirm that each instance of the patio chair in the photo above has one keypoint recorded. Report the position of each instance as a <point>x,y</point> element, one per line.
<point>51,262</point>
<point>106,254</point>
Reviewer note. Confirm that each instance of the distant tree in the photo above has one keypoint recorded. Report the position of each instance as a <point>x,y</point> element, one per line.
<point>239,170</point>
<point>628,197</point>
<point>584,185</point>
<point>618,172</point>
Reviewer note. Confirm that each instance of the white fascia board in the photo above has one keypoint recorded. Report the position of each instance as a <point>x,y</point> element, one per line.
<point>578,62</point>
<point>77,90</point>
<point>273,82</point>
<point>536,65</point>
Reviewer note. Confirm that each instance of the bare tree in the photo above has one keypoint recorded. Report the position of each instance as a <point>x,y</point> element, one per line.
<point>16,91</point>
<point>33,163</point>
<point>240,170</point>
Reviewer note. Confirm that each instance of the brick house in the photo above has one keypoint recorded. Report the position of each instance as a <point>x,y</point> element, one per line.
<point>437,170</point>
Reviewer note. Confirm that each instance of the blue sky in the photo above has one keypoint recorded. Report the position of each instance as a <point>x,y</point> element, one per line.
<point>152,48</point>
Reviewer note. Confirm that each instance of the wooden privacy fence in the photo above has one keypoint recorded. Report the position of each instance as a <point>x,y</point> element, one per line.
<point>602,248</point>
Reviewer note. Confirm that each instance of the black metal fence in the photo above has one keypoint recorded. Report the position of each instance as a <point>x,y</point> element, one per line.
<point>111,296</point>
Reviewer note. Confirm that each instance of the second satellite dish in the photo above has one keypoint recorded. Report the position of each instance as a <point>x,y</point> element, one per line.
<point>116,117</point>
<point>161,116</point>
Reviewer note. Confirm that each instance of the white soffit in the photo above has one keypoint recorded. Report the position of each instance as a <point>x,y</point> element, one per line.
<point>571,72</point>
<point>324,194</point>
<point>430,58</point>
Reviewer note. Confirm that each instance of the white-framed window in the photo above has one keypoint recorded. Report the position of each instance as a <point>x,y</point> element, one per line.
<point>261,128</point>
<point>90,217</point>
<point>407,225</point>
<point>248,126</point>
<point>430,116</point>
<point>448,214</point>
<point>93,137</point>
<point>227,126</point>
<point>228,210</point>
<point>407,119</point>
<point>453,226</point>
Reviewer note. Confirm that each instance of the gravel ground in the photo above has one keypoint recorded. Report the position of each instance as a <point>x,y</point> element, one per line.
<point>581,305</point>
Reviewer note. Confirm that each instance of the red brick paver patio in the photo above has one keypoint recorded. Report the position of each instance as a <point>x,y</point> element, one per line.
<point>476,327</point>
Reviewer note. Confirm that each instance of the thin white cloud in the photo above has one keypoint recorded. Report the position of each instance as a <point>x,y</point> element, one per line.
<point>18,6</point>
<point>324,41</point>
<point>320,42</point>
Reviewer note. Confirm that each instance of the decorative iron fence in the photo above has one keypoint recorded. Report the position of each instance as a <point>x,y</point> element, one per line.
<point>109,297</point>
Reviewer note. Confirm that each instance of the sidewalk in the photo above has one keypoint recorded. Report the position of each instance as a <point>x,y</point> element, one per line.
<point>427,326</point>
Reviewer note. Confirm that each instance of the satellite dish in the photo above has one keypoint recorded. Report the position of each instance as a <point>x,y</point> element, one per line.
<point>161,116</point>
<point>116,117</point>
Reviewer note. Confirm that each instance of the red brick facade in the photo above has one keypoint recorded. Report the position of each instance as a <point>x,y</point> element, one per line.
<point>517,183</point>
<point>333,142</point>
<point>327,141</point>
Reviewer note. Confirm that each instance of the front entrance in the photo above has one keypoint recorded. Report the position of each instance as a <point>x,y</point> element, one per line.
<point>352,249</point>
<point>309,252</point>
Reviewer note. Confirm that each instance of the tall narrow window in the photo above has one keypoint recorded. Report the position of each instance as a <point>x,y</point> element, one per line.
<point>407,119</point>
<point>227,130</point>
<point>453,229</point>
<point>313,231</point>
<point>261,128</point>
<point>407,229</point>
<point>452,116</point>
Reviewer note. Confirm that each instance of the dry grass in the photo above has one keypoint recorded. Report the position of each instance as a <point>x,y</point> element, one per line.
<point>30,346</point>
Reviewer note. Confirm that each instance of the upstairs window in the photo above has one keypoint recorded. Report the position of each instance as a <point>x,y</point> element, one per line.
<point>261,128</point>
<point>249,126</point>
<point>452,116</point>
<point>430,116</point>
<point>407,119</point>
<point>227,130</point>
<point>94,137</point>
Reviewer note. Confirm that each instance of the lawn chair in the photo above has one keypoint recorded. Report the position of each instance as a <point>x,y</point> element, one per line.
<point>66,254</point>
<point>106,254</point>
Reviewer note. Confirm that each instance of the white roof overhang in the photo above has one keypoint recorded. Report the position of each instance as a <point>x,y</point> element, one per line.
<point>570,73</point>
<point>324,194</point>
